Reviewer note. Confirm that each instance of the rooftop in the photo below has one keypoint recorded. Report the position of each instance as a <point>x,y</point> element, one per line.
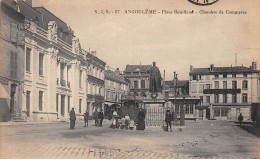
<point>137,68</point>
<point>222,70</point>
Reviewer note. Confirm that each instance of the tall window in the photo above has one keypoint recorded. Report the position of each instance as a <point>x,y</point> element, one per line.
<point>224,98</point>
<point>201,100</point>
<point>142,83</point>
<point>207,86</point>
<point>80,79</point>
<point>13,64</point>
<point>234,98</point>
<point>244,99</point>
<point>191,109</point>
<point>41,64</point>
<point>216,98</point>
<point>108,95</point>
<point>245,84</point>
<point>245,75</point>
<point>234,75</point>
<point>207,99</point>
<point>40,100</point>
<point>216,76</point>
<point>216,85</point>
<point>224,75</point>
<point>80,102</point>
<point>234,84</point>
<point>224,84</point>
<point>68,104</point>
<point>187,109</point>
<point>135,84</point>
<point>28,59</point>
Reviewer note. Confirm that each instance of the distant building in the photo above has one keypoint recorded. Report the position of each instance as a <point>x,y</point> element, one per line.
<point>115,87</point>
<point>11,61</point>
<point>96,83</point>
<point>139,78</point>
<point>177,97</point>
<point>225,92</point>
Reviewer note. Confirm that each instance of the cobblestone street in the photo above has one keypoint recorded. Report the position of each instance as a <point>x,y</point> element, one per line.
<point>201,139</point>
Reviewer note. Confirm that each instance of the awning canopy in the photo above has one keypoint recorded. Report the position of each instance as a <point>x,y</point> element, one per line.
<point>110,103</point>
<point>3,93</point>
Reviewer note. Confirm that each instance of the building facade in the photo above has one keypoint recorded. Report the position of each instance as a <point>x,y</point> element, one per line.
<point>116,86</point>
<point>96,83</point>
<point>139,79</point>
<point>57,70</point>
<point>178,99</point>
<point>12,61</point>
<point>225,92</point>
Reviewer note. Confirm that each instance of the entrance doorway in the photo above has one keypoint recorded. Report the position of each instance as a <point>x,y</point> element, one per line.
<point>13,90</point>
<point>28,93</point>
<point>62,105</point>
<point>201,114</point>
<point>207,113</point>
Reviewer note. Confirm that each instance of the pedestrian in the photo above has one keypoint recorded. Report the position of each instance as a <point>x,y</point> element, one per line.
<point>140,120</point>
<point>132,124</point>
<point>86,116</point>
<point>127,121</point>
<point>114,120</point>
<point>95,116</point>
<point>123,123</point>
<point>101,118</point>
<point>240,119</point>
<point>168,120</point>
<point>72,118</point>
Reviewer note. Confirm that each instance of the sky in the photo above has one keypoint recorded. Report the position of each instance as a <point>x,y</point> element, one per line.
<point>173,41</point>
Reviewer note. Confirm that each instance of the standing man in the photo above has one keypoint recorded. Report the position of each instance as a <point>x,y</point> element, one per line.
<point>168,119</point>
<point>140,120</point>
<point>95,116</point>
<point>72,118</point>
<point>86,115</point>
<point>101,119</point>
<point>240,119</point>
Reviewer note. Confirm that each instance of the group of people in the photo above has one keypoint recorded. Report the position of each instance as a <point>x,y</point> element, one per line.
<point>122,123</point>
<point>98,117</point>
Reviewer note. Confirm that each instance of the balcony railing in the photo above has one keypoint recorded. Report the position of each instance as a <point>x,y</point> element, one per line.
<point>221,91</point>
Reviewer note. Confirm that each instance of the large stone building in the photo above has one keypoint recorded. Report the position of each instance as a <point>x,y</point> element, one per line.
<point>116,86</point>
<point>225,92</point>
<point>12,60</point>
<point>57,71</point>
<point>139,78</point>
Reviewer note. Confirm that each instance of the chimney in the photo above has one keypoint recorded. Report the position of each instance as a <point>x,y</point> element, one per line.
<point>94,53</point>
<point>254,66</point>
<point>191,67</point>
<point>174,75</point>
<point>211,67</point>
<point>29,2</point>
<point>117,71</point>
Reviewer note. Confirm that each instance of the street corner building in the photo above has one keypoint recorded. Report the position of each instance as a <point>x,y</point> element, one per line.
<point>225,92</point>
<point>44,71</point>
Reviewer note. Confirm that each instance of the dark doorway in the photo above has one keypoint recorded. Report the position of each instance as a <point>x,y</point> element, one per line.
<point>208,113</point>
<point>28,103</point>
<point>62,105</point>
<point>13,90</point>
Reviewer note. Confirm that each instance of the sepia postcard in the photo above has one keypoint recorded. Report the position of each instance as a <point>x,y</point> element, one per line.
<point>130,79</point>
